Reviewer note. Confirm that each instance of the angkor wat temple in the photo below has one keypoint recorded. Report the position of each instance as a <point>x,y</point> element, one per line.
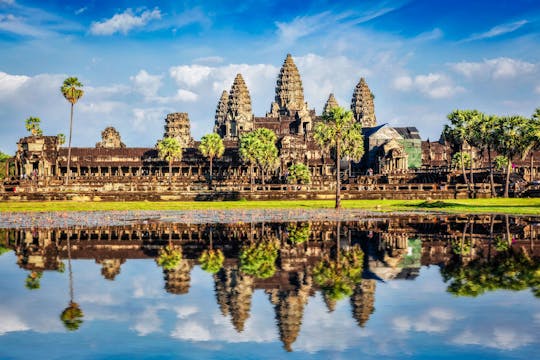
<point>390,152</point>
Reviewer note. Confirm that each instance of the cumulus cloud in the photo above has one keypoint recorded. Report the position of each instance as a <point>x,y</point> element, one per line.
<point>191,330</point>
<point>498,30</point>
<point>497,68</point>
<point>499,338</point>
<point>433,85</point>
<point>435,320</point>
<point>11,323</point>
<point>124,22</point>
<point>146,84</point>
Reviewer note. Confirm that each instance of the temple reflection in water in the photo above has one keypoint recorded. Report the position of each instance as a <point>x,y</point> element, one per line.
<point>291,262</point>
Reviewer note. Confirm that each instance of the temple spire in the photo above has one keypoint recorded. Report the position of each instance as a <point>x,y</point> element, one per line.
<point>221,113</point>
<point>362,105</point>
<point>239,116</point>
<point>289,91</point>
<point>330,103</point>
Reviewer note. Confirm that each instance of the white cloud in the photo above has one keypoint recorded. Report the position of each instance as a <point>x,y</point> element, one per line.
<point>146,84</point>
<point>100,107</point>
<point>10,83</point>
<point>433,85</point>
<point>11,323</point>
<point>497,68</point>
<point>498,30</point>
<point>124,22</point>
<point>183,312</point>
<point>191,330</point>
<point>500,338</point>
<point>144,120</point>
<point>148,321</point>
<point>190,75</point>
<point>537,90</point>
<point>435,320</point>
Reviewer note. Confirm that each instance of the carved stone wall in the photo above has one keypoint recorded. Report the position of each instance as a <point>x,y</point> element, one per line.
<point>330,103</point>
<point>221,114</point>
<point>239,117</point>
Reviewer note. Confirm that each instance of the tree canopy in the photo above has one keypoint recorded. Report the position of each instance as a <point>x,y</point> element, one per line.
<point>32,125</point>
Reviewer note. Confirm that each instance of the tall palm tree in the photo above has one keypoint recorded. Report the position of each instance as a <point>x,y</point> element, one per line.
<point>248,149</point>
<point>170,149</point>
<point>533,139</point>
<point>338,131</point>
<point>71,90</point>
<point>72,315</point>
<point>511,136</point>
<point>212,147</point>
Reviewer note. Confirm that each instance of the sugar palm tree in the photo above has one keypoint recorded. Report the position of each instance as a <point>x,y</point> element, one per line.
<point>71,90</point>
<point>511,136</point>
<point>248,149</point>
<point>212,147</point>
<point>339,132</point>
<point>32,125</point>
<point>72,316</point>
<point>533,139</point>
<point>170,149</point>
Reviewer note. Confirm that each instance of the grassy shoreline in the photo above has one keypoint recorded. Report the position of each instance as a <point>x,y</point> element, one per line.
<point>500,206</point>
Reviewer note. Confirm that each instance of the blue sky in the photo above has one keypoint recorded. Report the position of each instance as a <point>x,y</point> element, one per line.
<point>141,60</point>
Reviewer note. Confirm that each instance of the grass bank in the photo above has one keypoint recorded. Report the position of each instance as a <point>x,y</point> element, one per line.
<point>503,206</point>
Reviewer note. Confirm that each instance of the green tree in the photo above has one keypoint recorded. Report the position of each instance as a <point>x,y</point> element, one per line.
<point>482,134</point>
<point>211,147</point>
<point>460,160</point>
<point>299,174</point>
<point>532,139</point>
<point>33,280</point>
<point>511,136</point>
<point>259,259</point>
<point>72,317</point>
<point>32,125</point>
<point>299,233</point>
<point>460,132</point>
<point>212,260</point>
<point>72,92</point>
<point>339,132</point>
<point>169,257</point>
<point>500,162</point>
<point>61,139</point>
<point>3,159</point>
<point>170,149</point>
<point>258,147</point>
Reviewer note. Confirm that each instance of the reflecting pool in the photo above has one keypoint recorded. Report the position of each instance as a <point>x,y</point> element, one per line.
<point>417,286</point>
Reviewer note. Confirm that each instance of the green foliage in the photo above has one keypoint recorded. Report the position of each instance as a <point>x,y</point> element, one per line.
<point>32,125</point>
<point>61,139</point>
<point>461,159</point>
<point>4,250</point>
<point>71,89</point>
<point>508,270</point>
<point>33,280</point>
<point>412,259</point>
<point>212,260</point>
<point>501,162</point>
<point>3,159</point>
<point>337,278</point>
<point>299,233</point>
<point>299,174</point>
<point>259,259</point>
<point>338,128</point>
<point>169,257</point>
<point>259,147</point>
<point>169,149</point>
<point>501,244</point>
<point>212,146</point>
<point>72,317</point>
<point>461,247</point>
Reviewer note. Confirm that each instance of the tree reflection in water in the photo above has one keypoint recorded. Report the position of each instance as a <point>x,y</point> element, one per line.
<point>292,262</point>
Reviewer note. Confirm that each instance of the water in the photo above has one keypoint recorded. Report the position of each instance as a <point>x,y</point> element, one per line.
<point>427,286</point>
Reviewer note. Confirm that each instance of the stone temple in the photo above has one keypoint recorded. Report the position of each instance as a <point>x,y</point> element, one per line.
<point>388,149</point>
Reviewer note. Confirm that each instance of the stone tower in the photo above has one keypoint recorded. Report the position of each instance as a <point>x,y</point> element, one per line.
<point>221,114</point>
<point>363,300</point>
<point>362,105</point>
<point>239,117</point>
<point>110,139</point>
<point>330,103</point>
<point>177,126</point>
<point>289,100</point>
